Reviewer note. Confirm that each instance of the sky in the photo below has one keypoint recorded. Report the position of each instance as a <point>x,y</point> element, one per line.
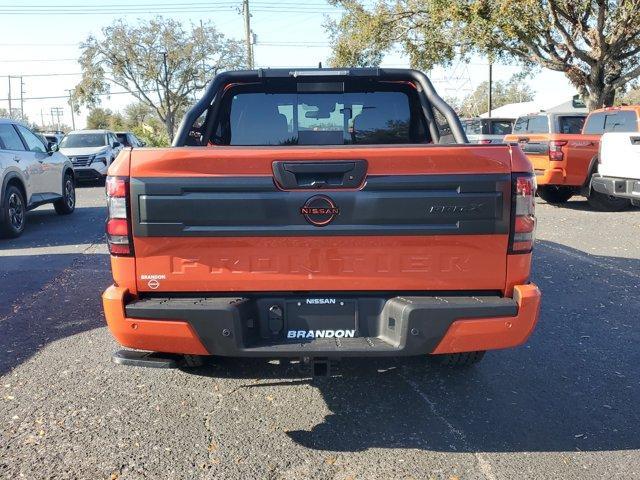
<point>40,39</point>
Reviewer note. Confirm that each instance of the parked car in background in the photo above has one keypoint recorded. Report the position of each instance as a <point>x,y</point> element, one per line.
<point>618,172</point>
<point>91,152</point>
<point>566,157</point>
<point>487,130</point>
<point>54,137</point>
<point>32,173</point>
<point>129,139</point>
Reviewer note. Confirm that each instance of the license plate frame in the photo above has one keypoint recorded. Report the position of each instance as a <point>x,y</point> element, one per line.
<point>332,318</point>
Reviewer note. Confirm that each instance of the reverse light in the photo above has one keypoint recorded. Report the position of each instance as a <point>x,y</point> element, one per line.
<point>555,150</point>
<point>523,217</point>
<point>118,227</point>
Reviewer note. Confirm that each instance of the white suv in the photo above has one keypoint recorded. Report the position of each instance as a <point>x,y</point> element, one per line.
<point>91,152</point>
<point>619,166</point>
<point>31,174</point>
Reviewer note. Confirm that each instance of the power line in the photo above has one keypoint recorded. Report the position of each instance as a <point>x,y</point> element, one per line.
<point>163,8</point>
<point>54,97</point>
<point>39,44</point>
<point>43,75</point>
<point>40,60</point>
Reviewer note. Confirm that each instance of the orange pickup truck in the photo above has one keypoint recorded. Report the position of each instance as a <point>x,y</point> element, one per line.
<point>565,154</point>
<point>321,213</point>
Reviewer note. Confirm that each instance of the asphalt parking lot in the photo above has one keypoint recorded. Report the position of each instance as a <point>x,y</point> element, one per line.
<point>563,406</point>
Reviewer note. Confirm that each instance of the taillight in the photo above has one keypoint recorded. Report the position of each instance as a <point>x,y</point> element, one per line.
<point>523,217</point>
<point>555,150</point>
<point>119,220</point>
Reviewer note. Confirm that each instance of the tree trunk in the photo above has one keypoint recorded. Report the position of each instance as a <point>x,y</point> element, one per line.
<point>596,92</point>
<point>169,123</point>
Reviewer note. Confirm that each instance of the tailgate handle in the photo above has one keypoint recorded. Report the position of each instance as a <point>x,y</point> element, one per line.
<point>315,175</point>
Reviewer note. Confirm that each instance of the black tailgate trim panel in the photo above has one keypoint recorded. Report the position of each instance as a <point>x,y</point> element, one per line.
<point>387,205</point>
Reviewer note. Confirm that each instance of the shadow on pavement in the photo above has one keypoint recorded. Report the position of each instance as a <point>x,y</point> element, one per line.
<point>573,387</point>
<point>48,298</point>
<point>45,228</point>
<point>581,205</point>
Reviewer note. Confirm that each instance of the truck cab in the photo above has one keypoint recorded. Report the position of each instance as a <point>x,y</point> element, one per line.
<point>321,213</point>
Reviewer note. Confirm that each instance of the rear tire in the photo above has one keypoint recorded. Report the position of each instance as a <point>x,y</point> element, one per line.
<point>13,214</point>
<point>607,203</point>
<point>458,360</point>
<point>554,194</point>
<point>67,204</point>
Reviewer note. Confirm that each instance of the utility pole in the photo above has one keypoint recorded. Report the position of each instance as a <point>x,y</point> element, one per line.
<point>21,98</point>
<point>490,88</point>
<point>9,77</point>
<point>247,32</point>
<point>73,118</point>
<point>42,119</point>
<point>57,111</point>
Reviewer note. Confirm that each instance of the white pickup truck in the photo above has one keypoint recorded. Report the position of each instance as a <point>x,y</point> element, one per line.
<point>618,172</point>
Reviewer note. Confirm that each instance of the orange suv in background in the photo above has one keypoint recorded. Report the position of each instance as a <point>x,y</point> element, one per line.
<point>564,152</point>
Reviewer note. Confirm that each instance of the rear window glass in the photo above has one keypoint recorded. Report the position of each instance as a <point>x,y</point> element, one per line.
<point>614,121</point>
<point>79,140</point>
<point>123,139</point>
<point>320,119</point>
<point>571,124</point>
<point>533,124</point>
<point>501,127</point>
<point>9,138</point>
<point>472,127</point>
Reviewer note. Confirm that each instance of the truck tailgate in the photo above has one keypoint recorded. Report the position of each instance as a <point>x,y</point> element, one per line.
<point>420,218</point>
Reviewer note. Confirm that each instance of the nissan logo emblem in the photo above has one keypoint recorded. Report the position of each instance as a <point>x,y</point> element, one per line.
<point>319,210</point>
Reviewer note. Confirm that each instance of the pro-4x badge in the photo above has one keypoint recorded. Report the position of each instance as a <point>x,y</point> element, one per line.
<point>319,210</point>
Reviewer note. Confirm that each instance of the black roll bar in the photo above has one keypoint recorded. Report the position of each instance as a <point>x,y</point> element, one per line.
<point>329,74</point>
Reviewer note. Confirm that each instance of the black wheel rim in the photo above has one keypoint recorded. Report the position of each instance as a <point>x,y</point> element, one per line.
<point>16,211</point>
<point>69,194</point>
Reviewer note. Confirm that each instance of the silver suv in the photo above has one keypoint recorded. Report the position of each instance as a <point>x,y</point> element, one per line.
<point>91,152</point>
<point>31,174</point>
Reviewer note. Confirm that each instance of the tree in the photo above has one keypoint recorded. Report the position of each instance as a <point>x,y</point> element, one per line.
<point>99,118</point>
<point>595,43</point>
<point>15,114</point>
<point>513,91</point>
<point>630,97</point>
<point>135,114</point>
<point>158,62</point>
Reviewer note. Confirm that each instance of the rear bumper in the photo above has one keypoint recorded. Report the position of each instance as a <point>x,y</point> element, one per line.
<point>396,326</point>
<point>551,176</point>
<point>616,187</point>
<point>90,173</point>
